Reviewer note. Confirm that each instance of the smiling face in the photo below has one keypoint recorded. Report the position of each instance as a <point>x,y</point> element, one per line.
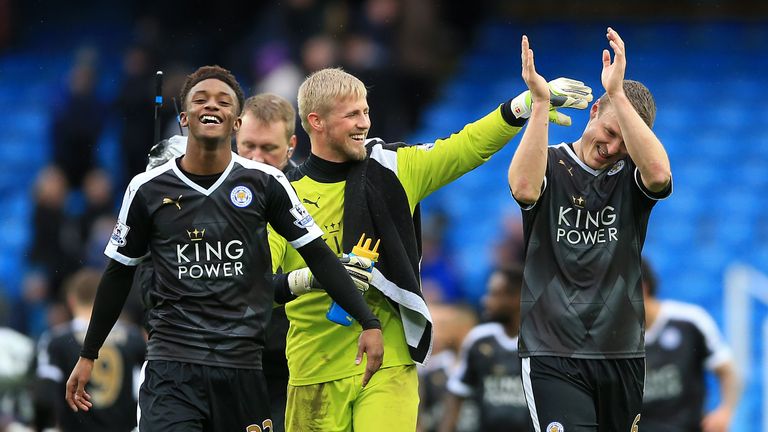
<point>602,144</point>
<point>265,142</point>
<point>211,112</point>
<point>342,130</point>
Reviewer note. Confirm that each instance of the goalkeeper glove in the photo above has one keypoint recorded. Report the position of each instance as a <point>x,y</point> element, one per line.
<point>166,150</point>
<point>563,92</point>
<point>302,281</point>
<point>359,270</point>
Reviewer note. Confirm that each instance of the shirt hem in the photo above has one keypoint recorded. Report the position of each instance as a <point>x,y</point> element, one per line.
<point>589,356</point>
<point>248,365</point>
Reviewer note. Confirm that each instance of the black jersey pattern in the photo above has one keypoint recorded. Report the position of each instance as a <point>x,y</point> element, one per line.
<point>113,380</point>
<point>681,345</point>
<point>211,297</point>
<point>583,240</point>
<point>489,373</point>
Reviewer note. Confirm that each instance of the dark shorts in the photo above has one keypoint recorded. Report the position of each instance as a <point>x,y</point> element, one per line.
<point>574,395</point>
<point>176,396</point>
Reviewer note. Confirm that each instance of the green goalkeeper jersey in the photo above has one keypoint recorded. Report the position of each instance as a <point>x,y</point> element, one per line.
<point>319,350</point>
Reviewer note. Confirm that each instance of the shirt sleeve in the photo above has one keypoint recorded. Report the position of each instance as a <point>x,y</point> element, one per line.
<point>129,242</point>
<point>113,289</point>
<point>717,351</point>
<point>287,215</point>
<point>422,169</point>
<point>655,196</point>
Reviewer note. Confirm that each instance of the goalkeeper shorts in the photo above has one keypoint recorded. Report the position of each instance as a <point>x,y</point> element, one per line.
<point>389,403</point>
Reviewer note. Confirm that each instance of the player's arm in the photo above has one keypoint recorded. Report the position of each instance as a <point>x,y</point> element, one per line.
<point>127,247</point>
<point>529,163</point>
<point>113,289</point>
<point>730,389</point>
<point>423,169</point>
<point>328,270</point>
<point>643,146</point>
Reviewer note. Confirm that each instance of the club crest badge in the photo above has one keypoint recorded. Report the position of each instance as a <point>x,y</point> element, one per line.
<point>616,167</point>
<point>241,196</point>
<point>555,427</point>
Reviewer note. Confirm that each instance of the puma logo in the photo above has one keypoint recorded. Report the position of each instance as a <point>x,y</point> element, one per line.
<point>176,201</point>
<point>307,201</point>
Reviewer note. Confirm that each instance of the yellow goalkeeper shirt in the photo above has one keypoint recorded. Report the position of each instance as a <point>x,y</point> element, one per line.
<point>319,350</point>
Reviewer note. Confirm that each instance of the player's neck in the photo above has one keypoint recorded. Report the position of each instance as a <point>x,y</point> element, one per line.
<point>202,159</point>
<point>578,149</point>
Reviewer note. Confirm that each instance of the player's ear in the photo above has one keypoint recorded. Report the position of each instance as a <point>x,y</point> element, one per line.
<point>183,119</point>
<point>594,109</point>
<point>315,122</point>
<point>237,124</point>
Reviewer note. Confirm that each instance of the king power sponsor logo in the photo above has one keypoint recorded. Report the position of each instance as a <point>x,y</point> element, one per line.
<point>200,258</point>
<point>579,226</point>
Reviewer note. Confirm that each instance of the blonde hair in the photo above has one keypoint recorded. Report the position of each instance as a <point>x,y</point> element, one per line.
<point>270,108</point>
<point>320,91</point>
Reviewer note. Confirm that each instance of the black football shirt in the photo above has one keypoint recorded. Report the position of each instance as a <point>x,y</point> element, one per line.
<point>680,346</point>
<point>488,373</point>
<point>113,381</point>
<point>212,297</point>
<point>581,293</point>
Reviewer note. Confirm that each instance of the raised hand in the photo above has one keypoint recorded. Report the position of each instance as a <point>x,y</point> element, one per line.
<point>612,76</point>
<point>535,82</point>
<point>561,92</point>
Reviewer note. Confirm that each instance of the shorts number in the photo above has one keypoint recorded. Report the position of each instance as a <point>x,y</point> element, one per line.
<point>635,427</point>
<point>266,426</point>
<point>107,377</point>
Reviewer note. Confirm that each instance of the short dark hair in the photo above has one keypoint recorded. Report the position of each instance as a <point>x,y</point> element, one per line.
<point>649,277</point>
<point>640,98</point>
<point>212,72</point>
<point>514,277</point>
